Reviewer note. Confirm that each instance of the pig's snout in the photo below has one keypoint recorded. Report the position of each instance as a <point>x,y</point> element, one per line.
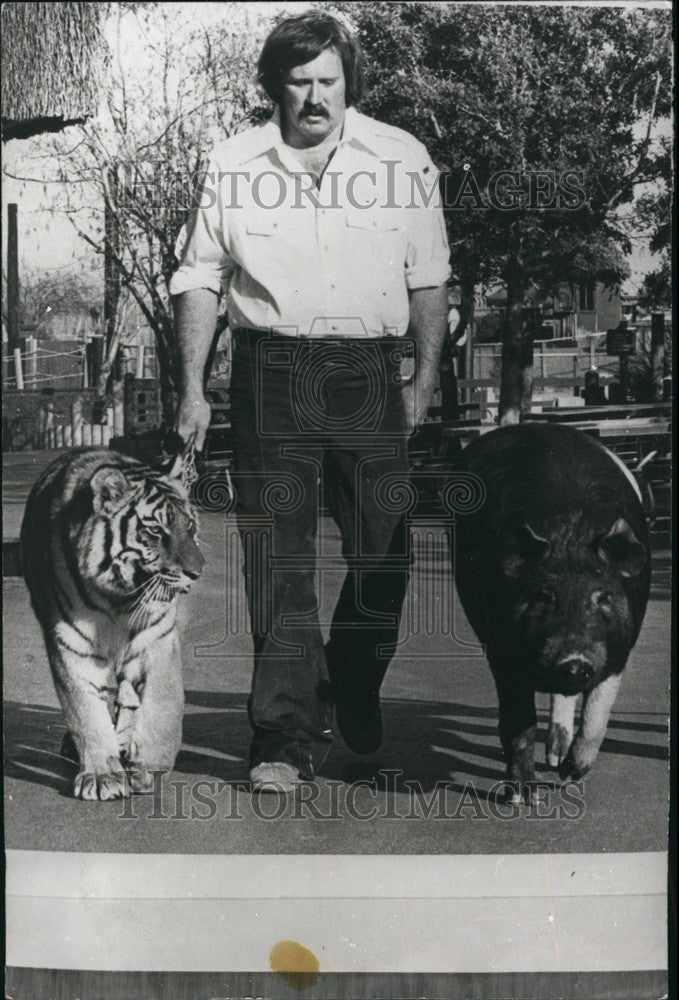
<point>575,672</point>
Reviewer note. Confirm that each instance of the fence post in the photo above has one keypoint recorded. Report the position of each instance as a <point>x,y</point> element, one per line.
<point>32,361</point>
<point>77,422</point>
<point>18,370</point>
<point>118,393</point>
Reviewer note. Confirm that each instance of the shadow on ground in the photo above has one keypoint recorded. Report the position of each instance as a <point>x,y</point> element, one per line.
<point>426,741</point>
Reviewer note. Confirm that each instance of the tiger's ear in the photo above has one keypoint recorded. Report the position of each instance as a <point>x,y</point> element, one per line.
<point>110,489</point>
<point>174,467</point>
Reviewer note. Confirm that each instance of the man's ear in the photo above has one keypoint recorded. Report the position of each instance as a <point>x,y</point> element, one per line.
<point>522,545</point>
<point>110,490</point>
<point>622,550</point>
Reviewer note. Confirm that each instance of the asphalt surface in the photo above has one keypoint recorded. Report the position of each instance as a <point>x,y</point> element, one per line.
<point>432,787</point>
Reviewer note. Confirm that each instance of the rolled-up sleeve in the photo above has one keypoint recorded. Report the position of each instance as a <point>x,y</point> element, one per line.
<point>204,260</point>
<point>428,254</point>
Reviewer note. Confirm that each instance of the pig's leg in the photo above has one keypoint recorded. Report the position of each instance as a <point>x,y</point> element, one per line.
<point>560,734</point>
<point>595,713</point>
<point>517,732</point>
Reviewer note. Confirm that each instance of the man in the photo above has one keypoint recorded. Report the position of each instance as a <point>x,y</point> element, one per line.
<point>316,224</point>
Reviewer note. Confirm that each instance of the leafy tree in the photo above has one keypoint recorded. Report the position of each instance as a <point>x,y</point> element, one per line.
<point>653,216</point>
<point>573,93</point>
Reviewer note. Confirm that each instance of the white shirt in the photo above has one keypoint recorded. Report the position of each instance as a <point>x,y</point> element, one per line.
<point>337,261</point>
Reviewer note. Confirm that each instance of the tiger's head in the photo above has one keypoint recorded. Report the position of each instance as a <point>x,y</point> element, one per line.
<point>141,539</point>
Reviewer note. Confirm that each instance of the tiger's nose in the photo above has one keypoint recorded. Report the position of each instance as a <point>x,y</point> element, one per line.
<point>190,559</point>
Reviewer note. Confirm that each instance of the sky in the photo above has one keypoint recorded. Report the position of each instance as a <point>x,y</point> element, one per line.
<point>47,239</point>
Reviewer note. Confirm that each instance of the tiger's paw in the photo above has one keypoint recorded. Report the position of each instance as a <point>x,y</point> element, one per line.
<point>141,781</point>
<point>102,786</point>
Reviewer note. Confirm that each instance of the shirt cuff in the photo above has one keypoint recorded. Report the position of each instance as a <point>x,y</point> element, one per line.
<point>429,275</point>
<point>189,277</point>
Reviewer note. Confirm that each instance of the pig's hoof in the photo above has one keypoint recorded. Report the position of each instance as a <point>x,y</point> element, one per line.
<point>521,792</point>
<point>574,766</point>
<point>559,740</point>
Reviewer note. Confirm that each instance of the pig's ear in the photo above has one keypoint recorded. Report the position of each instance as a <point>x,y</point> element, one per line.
<point>622,549</point>
<point>523,545</point>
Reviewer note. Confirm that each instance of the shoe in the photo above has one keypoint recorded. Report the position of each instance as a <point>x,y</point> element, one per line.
<point>360,724</point>
<point>274,776</point>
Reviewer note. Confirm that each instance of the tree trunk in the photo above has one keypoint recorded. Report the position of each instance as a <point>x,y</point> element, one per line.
<point>516,378</point>
<point>167,366</point>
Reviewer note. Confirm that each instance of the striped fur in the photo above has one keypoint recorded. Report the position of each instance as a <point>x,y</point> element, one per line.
<point>107,544</point>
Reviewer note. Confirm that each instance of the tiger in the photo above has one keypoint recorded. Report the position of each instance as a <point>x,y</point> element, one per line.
<point>107,544</point>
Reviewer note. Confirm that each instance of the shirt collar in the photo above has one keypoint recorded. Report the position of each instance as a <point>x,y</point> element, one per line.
<point>355,131</point>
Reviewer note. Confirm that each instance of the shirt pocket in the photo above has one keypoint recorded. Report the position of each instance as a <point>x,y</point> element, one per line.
<point>373,220</point>
<point>276,222</point>
<point>377,239</point>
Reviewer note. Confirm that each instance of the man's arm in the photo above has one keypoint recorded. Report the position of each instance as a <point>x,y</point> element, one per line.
<point>195,320</point>
<point>428,325</point>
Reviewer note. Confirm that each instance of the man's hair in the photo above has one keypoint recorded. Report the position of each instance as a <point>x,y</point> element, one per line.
<point>299,40</point>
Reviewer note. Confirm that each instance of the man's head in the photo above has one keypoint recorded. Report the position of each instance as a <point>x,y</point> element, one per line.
<point>312,67</point>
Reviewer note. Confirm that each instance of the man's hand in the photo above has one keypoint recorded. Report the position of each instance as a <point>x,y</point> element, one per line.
<point>193,416</point>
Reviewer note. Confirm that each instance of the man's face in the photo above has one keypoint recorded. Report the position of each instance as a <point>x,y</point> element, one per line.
<point>313,100</point>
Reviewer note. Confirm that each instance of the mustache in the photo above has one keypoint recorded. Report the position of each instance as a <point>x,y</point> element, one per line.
<point>309,110</point>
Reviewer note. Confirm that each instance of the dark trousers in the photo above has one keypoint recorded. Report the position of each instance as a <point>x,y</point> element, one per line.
<point>317,420</point>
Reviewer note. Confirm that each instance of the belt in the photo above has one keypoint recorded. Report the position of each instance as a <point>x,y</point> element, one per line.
<point>251,334</point>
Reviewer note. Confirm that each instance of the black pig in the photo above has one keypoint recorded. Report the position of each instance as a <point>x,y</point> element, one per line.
<point>553,572</point>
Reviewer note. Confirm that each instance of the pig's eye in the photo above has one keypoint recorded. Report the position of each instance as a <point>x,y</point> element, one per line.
<point>544,597</point>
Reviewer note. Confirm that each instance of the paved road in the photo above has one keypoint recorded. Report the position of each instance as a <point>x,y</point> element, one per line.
<point>441,727</point>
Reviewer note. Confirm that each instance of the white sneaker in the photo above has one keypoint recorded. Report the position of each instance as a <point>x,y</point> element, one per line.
<point>274,776</point>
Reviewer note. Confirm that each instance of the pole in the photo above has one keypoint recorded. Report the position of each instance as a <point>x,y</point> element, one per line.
<point>111,271</point>
<point>13,293</point>
<point>18,370</point>
<point>658,352</point>
<point>31,361</point>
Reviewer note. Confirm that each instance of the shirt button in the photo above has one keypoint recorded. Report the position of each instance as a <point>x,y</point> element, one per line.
<point>335,286</point>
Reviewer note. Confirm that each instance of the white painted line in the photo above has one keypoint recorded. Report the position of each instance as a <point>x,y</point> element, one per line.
<point>568,934</point>
<point>317,876</point>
